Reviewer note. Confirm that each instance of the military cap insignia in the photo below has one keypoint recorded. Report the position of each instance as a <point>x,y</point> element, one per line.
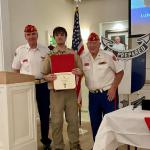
<point>93,37</point>
<point>30,28</point>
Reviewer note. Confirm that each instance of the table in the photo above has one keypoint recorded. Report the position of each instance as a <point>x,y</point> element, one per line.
<point>124,126</point>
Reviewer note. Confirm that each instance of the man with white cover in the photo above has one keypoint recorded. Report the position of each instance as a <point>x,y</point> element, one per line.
<point>103,74</point>
<point>28,60</point>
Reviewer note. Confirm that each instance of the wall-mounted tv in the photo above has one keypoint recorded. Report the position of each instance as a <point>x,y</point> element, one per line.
<point>139,17</point>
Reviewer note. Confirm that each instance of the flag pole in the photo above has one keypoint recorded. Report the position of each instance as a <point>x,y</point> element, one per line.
<point>77,6</point>
<point>81,131</point>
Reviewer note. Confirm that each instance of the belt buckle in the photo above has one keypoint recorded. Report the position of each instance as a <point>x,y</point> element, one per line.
<point>95,91</point>
<point>101,90</point>
<point>38,81</point>
<point>98,91</point>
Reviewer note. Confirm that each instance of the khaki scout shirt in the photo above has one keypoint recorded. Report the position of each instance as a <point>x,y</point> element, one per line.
<point>46,69</point>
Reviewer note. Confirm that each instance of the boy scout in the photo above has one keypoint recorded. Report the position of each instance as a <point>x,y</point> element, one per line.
<point>63,100</point>
<point>28,60</point>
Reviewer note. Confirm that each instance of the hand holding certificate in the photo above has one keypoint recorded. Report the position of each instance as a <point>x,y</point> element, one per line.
<point>62,66</point>
<point>65,80</point>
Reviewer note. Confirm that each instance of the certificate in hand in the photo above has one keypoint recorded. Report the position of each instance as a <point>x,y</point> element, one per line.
<point>62,63</point>
<point>62,66</point>
<point>64,81</point>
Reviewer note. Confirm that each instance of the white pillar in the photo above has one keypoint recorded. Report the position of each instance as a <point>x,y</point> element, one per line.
<point>5,51</point>
<point>18,125</point>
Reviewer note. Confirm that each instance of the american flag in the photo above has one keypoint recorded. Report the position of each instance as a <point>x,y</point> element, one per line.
<point>77,45</point>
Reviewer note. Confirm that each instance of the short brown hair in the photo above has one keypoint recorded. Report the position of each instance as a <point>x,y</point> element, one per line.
<point>59,30</point>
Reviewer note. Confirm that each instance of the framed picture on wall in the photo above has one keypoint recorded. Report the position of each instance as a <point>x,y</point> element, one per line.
<point>111,34</point>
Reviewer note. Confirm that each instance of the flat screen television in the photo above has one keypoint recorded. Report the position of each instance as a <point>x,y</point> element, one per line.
<point>139,17</point>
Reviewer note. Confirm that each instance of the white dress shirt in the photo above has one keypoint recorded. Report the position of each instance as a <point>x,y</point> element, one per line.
<point>119,46</point>
<point>100,72</point>
<point>29,61</point>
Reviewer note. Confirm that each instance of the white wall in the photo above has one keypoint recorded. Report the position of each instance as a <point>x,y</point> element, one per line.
<point>45,14</point>
<point>110,26</point>
<point>48,14</point>
<point>93,12</point>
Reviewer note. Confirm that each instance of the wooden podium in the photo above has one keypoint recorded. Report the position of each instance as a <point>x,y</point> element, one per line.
<point>18,128</point>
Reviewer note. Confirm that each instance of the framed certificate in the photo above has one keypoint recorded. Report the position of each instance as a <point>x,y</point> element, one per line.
<point>64,81</point>
<point>62,66</point>
<point>62,63</point>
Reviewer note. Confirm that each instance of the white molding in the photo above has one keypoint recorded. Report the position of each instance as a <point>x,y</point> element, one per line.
<point>5,53</point>
<point>1,40</point>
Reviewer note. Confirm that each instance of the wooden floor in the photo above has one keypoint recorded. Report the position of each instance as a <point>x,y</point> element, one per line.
<point>85,139</point>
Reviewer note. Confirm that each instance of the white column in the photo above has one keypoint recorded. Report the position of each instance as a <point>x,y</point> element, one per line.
<point>5,51</point>
<point>18,125</point>
<point>1,41</point>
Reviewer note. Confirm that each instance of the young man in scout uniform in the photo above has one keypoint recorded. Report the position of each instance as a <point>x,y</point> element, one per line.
<point>63,100</point>
<point>28,60</point>
<point>102,76</point>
